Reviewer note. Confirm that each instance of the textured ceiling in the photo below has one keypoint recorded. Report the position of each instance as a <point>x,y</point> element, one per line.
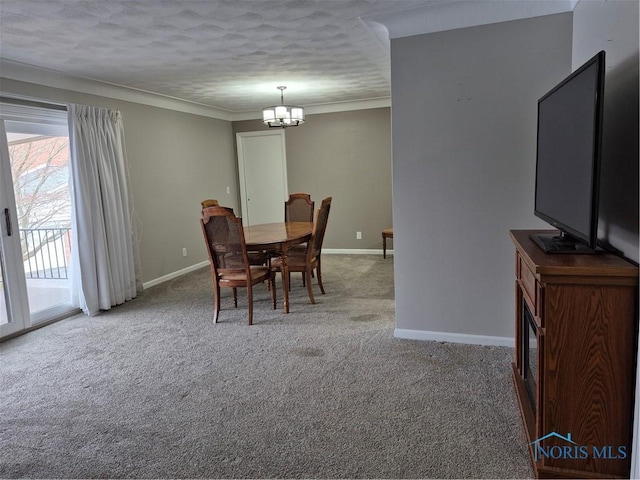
<point>229,54</point>
<point>232,54</point>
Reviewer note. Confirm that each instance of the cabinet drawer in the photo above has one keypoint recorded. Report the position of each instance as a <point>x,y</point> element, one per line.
<point>528,282</point>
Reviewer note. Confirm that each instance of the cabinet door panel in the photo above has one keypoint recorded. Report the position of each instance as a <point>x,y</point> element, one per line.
<point>587,371</point>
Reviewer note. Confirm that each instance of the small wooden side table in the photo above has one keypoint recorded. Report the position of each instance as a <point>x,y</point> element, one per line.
<point>386,233</point>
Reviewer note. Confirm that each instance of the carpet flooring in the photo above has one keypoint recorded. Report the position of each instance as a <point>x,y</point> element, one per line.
<point>154,389</point>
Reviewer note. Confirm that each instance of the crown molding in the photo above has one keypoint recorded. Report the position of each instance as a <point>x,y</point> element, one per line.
<point>323,108</point>
<point>51,78</point>
<point>347,106</point>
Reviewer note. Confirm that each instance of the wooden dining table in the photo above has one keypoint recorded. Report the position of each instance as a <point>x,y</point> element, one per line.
<point>278,238</point>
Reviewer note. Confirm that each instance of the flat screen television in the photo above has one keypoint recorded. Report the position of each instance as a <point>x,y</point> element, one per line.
<point>568,159</point>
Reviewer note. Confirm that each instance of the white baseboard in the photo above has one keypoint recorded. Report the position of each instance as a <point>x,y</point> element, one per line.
<point>173,275</point>
<point>328,251</point>
<point>354,251</point>
<point>454,337</point>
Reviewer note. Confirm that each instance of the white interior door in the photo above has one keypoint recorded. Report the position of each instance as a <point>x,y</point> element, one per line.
<point>262,169</point>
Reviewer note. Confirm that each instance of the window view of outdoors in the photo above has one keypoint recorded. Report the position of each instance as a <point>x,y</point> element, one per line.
<point>40,170</point>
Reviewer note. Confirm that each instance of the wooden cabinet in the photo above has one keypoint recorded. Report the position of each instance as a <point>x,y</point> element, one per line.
<point>575,359</point>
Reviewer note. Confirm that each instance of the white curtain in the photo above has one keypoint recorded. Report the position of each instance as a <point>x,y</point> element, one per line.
<point>105,261</point>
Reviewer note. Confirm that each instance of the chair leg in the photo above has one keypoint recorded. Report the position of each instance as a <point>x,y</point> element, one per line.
<point>384,246</point>
<point>235,297</point>
<point>250,301</point>
<point>304,279</point>
<point>272,287</point>
<point>319,275</point>
<point>216,303</point>
<point>271,283</point>
<point>307,275</point>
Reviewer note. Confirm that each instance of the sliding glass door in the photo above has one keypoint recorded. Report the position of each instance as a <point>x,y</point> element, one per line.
<point>14,309</point>
<point>36,223</point>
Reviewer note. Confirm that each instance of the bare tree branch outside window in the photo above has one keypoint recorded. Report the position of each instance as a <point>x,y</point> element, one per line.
<point>39,166</point>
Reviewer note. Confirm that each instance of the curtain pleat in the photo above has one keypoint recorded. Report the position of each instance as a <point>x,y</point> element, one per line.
<point>106,261</point>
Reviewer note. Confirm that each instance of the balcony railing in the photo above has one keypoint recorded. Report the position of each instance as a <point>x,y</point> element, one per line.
<point>48,252</point>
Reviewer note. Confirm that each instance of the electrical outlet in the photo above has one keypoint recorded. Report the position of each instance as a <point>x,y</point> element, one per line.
<point>184,252</point>
<point>358,235</point>
<point>228,190</point>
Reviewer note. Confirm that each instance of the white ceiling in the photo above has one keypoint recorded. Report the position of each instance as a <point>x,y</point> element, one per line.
<point>232,54</point>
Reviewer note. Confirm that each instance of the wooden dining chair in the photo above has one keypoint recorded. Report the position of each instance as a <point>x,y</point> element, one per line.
<point>229,260</point>
<point>299,208</point>
<point>309,260</point>
<point>255,258</point>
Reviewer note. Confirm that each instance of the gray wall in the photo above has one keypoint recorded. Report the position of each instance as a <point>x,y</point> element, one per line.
<point>464,131</point>
<point>175,160</point>
<point>613,27</point>
<point>347,156</point>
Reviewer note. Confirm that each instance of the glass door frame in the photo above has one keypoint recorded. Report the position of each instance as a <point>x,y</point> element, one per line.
<point>29,113</point>
<point>15,284</point>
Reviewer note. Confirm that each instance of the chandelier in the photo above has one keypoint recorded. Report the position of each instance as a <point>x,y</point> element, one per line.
<point>283,115</point>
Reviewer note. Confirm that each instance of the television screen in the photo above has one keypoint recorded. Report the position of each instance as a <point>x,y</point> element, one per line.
<point>568,159</point>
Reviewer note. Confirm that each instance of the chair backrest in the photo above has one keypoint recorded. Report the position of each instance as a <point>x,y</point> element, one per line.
<point>224,236</point>
<point>210,202</point>
<point>320,226</point>
<point>299,208</point>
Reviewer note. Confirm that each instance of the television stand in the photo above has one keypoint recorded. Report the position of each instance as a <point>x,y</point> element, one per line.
<point>575,359</point>
<point>560,243</point>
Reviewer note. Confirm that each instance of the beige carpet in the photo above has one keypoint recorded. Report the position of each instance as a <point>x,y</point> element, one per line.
<point>153,389</point>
